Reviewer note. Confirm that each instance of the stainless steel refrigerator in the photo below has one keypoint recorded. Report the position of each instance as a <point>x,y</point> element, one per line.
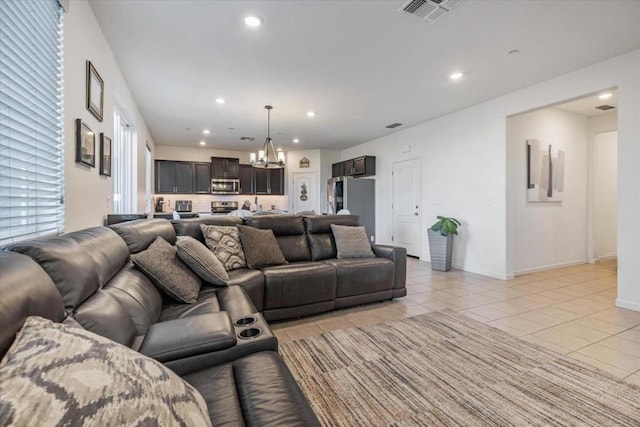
<point>358,196</point>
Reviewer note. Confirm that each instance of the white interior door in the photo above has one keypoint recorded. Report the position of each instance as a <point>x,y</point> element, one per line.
<point>406,205</point>
<point>304,192</point>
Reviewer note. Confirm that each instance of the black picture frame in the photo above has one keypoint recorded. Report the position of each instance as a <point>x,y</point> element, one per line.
<point>95,92</point>
<point>85,144</point>
<point>105,155</point>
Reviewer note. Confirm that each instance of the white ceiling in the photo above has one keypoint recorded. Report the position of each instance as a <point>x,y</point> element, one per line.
<point>360,64</point>
<point>586,106</point>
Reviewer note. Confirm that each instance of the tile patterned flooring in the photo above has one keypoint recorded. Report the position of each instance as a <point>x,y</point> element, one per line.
<point>570,310</point>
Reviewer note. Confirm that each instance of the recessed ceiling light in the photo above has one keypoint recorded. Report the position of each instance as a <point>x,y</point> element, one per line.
<point>296,140</point>
<point>252,21</point>
<point>279,149</point>
<point>456,76</point>
<point>311,113</point>
<point>206,131</point>
<point>605,95</point>
<point>220,100</point>
<point>203,143</point>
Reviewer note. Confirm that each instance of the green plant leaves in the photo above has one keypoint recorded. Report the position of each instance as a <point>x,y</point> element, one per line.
<point>446,225</point>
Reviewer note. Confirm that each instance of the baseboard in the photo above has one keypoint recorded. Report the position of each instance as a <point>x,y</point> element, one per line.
<point>549,267</point>
<point>628,305</point>
<point>484,273</point>
<point>607,257</point>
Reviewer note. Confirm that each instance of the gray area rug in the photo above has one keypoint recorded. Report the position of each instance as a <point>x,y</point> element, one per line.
<point>446,369</point>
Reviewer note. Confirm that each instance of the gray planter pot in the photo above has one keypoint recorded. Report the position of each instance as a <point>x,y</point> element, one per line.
<point>441,248</point>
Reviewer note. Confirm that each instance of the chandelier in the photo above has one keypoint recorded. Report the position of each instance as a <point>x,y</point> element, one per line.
<point>267,158</point>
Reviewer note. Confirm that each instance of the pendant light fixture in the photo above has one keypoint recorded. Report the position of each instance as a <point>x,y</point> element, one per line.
<point>267,158</point>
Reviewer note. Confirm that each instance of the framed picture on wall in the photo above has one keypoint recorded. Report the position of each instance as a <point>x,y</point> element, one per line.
<point>85,144</point>
<point>105,155</point>
<point>95,92</point>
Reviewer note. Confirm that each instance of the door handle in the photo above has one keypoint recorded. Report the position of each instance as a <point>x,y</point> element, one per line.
<point>415,213</point>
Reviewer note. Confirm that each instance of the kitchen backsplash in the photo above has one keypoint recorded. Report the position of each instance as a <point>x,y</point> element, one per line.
<point>202,202</point>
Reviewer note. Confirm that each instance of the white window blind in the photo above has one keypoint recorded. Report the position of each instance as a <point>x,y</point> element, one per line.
<point>124,165</point>
<point>31,122</point>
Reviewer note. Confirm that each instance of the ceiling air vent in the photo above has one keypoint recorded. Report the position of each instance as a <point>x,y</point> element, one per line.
<point>393,125</point>
<point>429,10</point>
<point>605,107</point>
<point>247,138</point>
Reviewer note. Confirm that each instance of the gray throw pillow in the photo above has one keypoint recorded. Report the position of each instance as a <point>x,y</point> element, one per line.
<point>351,242</point>
<point>161,264</point>
<point>225,244</point>
<point>260,247</point>
<point>202,261</point>
<point>80,378</point>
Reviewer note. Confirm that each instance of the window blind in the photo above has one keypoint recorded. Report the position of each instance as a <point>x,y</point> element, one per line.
<point>31,120</point>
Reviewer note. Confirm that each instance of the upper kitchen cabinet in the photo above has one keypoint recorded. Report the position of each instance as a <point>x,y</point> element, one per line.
<point>269,181</point>
<point>202,178</point>
<point>225,167</point>
<point>247,179</point>
<point>358,167</point>
<point>174,177</point>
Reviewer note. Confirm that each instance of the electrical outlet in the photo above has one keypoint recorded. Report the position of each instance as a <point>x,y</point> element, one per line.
<point>373,238</point>
<point>108,202</point>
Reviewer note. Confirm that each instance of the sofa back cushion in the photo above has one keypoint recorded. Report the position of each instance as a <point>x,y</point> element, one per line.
<point>138,235</point>
<point>320,237</point>
<point>191,227</point>
<point>289,231</point>
<point>25,290</point>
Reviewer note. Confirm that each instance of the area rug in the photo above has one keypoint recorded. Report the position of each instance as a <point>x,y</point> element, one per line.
<point>443,368</point>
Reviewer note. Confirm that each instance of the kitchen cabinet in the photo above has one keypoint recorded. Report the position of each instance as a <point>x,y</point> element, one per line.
<point>358,167</point>
<point>225,167</point>
<point>202,178</point>
<point>174,177</point>
<point>247,179</point>
<point>261,181</point>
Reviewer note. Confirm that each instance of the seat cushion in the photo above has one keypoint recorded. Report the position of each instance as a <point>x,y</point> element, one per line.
<point>358,276</point>
<point>252,281</point>
<point>207,302</point>
<point>299,284</point>
<point>255,390</point>
<point>79,378</point>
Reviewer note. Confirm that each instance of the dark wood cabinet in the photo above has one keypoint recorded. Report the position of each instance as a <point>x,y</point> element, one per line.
<point>261,181</point>
<point>358,167</point>
<point>174,177</point>
<point>337,169</point>
<point>225,167</point>
<point>276,181</point>
<point>202,178</point>
<point>247,179</point>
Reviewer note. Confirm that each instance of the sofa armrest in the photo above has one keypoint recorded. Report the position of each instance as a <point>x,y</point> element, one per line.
<point>399,257</point>
<point>189,336</point>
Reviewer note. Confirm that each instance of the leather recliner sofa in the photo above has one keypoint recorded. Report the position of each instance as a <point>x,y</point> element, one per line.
<point>314,280</point>
<point>256,389</point>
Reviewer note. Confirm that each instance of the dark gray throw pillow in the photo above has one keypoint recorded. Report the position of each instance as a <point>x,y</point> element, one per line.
<point>202,261</point>
<point>161,264</point>
<point>225,244</point>
<point>260,247</point>
<point>351,241</point>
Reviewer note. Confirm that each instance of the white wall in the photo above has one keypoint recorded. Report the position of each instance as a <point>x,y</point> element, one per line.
<point>465,170</point>
<point>549,234</point>
<point>88,196</point>
<point>605,195</point>
<point>597,125</point>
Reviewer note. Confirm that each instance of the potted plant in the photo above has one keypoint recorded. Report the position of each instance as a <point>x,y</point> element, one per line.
<point>441,242</point>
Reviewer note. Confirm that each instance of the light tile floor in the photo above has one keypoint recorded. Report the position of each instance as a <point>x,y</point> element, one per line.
<point>570,310</point>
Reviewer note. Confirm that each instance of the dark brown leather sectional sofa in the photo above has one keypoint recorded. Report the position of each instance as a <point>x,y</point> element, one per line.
<point>87,277</point>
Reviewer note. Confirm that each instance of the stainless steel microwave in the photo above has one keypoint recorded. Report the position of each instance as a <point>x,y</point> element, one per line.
<point>225,186</point>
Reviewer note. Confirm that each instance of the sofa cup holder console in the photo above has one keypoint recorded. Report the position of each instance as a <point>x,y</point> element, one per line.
<point>245,321</point>
<point>249,333</point>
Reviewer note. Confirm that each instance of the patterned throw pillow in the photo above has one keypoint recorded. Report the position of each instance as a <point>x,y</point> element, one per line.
<point>161,264</point>
<point>351,241</point>
<point>202,261</point>
<point>54,374</point>
<point>225,245</point>
<point>260,247</point>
